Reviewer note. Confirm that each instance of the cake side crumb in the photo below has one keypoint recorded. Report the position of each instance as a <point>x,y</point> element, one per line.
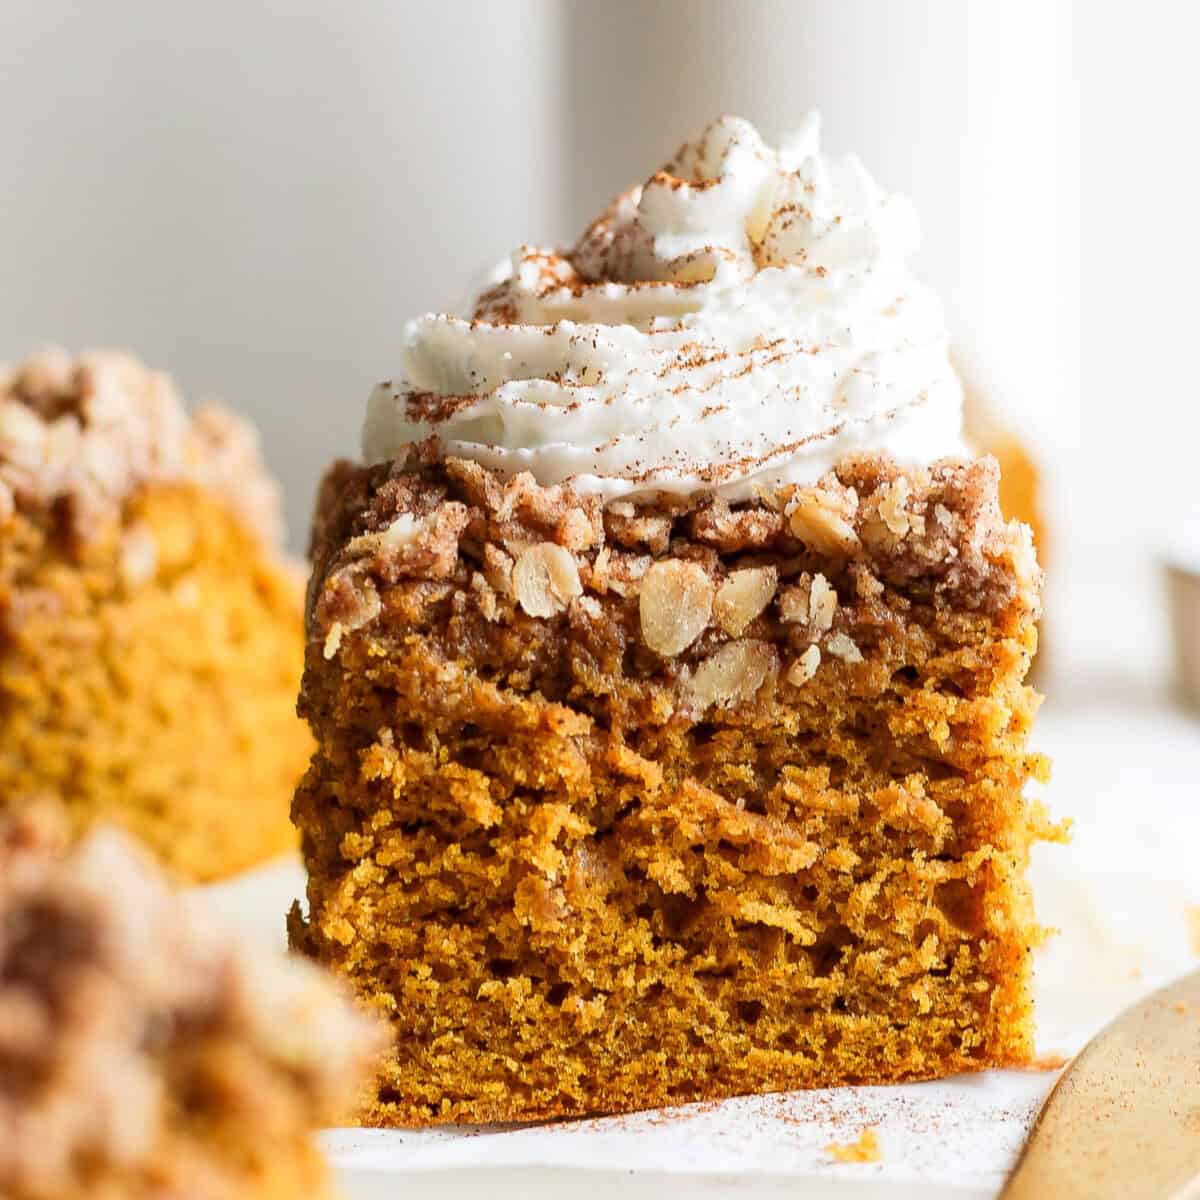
<point>755,805</point>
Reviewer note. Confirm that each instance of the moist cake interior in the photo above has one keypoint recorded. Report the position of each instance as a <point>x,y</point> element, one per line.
<point>582,875</point>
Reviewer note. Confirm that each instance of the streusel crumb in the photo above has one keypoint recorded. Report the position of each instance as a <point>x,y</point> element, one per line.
<point>85,434</point>
<point>145,1053</point>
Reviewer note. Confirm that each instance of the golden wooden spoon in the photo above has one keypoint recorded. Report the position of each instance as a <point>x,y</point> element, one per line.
<point>1124,1120</point>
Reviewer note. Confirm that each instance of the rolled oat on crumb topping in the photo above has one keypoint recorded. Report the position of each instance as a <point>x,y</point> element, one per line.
<point>333,639</point>
<point>956,543</point>
<point>892,509</point>
<point>823,520</point>
<point>675,605</point>
<point>743,596</point>
<point>811,601</point>
<point>822,604</point>
<point>840,646</point>
<point>732,674</point>
<point>805,667</point>
<point>545,580</point>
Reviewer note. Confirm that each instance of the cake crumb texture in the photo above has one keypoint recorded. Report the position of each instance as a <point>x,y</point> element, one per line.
<point>145,1054</point>
<point>150,632</point>
<point>618,809</point>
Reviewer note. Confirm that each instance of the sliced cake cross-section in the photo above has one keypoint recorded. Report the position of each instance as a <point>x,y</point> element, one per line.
<point>666,662</point>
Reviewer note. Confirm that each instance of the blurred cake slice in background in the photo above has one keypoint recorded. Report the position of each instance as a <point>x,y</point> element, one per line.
<point>143,1053</point>
<point>1022,496</point>
<point>150,628</point>
<point>1022,488</point>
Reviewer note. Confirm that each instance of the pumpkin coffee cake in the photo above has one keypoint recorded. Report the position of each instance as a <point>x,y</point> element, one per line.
<point>150,629</point>
<point>665,660</point>
<point>144,1053</point>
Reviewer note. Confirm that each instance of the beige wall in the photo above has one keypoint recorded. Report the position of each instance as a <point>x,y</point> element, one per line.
<point>255,195</point>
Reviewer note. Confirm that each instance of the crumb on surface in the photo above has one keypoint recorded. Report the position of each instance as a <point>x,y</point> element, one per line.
<point>864,1149</point>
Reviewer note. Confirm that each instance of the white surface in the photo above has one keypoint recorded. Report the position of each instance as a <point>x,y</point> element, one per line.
<point>1128,773</point>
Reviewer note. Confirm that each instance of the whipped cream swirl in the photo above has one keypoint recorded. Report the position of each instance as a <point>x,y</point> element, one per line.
<point>743,319</point>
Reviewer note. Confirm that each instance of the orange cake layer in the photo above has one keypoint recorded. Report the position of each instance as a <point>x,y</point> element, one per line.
<point>150,634</point>
<point>620,807</point>
<point>145,1055</point>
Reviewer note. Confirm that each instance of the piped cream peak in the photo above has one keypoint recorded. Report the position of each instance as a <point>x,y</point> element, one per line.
<point>744,318</point>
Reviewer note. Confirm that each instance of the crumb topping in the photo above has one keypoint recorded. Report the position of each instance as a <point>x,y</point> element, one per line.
<point>117,1003</point>
<point>79,436</point>
<point>727,602</point>
<point>688,563</point>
